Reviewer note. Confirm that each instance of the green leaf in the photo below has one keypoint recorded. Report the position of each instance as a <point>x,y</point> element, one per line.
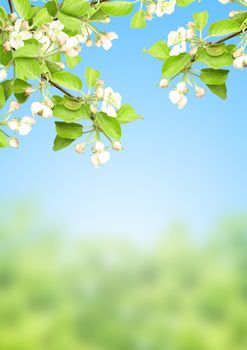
<point>110,126</point>
<point>215,62</point>
<point>75,8</point>
<point>69,116</point>
<point>117,8</point>
<point>213,76</point>
<point>29,51</point>
<point>3,139</point>
<point>72,24</point>
<point>139,20</point>
<point>27,68</point>
<point>201,19</point>
<point>159,50</point>
<point>175,64</point>
<point>41,18</point>
<point>7,88</point>
<point>60,143</point>
<point>68,80</point>
<point>70,131</point>
<point>215,50</point>
<point>24,8</point>
<point>219,90</point>
<point>2,97</point>
<point>72,61</point>
<point>91,76</point>
<point>127,114</point>
<point>224,27</point>
<point>184,2</point>
<point>71,104</point>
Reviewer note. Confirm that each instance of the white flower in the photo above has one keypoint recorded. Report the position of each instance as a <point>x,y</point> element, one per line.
<point>19,35</point>
<point>46,112</point>
<point>13,124</point>
<point>105,40</point>
<point>182,101</point>
<point>240,62</point>
<point>42,110</point>
<point>3,74</point>
<point>177,39</point>
<point>224,2</point>
<point>165,7</point>
<point>25,125</point>
<point>103,157</point>
<point>54,29</point>
<point>174,96</point>
<point>13,142</point>
<point>178,98</point>
<point>111,100</point>
<point>71,47</point>
<point>95,160</point>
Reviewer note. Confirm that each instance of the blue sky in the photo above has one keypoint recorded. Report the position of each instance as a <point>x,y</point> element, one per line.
<point>185,165</point>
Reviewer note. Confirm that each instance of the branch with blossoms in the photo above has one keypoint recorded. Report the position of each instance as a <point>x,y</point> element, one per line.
<point>187,49</point>
<point>38,44</point>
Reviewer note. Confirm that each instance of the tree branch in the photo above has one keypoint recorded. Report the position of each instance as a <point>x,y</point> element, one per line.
<point>11,7</point>
<point>64,91</point>
<point>228,37</point>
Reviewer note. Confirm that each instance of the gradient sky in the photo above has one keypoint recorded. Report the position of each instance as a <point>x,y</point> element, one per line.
<point>188,165</point>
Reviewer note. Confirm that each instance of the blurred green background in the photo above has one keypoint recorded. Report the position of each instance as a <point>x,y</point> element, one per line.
<point>60,292</point>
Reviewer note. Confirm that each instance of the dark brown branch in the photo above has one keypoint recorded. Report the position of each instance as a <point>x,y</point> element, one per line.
<point>228,37</point>
<point>11,7</point>
<point>64,91</point>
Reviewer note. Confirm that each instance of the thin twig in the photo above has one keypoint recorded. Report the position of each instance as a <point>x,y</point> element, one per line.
<point>11,7</point>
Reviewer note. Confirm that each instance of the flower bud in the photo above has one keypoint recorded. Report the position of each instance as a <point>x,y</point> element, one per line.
<point>200,92</point>
<point>193,51</point>
<point>13,142</point>
<point>190,34</point>
<point>14,106</point>
<point>117,146</point>
<point>89,42</point>
<point>181,87</point>
<point>238,52</point>
<point>99,146</point>
<point>151,8</point>
<point>13,17</point>
<point>93,109</point>
<point>28,91</point>
<point>7,46</point>
<point>233,14</point>
<point>164,83</point>
<point>80,148</point>
<point>3,74</point>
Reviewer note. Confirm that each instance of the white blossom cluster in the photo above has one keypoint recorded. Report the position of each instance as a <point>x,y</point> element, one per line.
<point>160,8</point>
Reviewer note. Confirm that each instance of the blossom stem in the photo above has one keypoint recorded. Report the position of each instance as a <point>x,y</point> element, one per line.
<point>11,6</point>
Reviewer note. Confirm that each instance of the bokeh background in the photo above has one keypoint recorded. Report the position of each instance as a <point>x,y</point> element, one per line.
<point>135,255</point>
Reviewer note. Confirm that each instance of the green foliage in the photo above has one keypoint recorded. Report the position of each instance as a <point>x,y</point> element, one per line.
<point>59,292</point>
